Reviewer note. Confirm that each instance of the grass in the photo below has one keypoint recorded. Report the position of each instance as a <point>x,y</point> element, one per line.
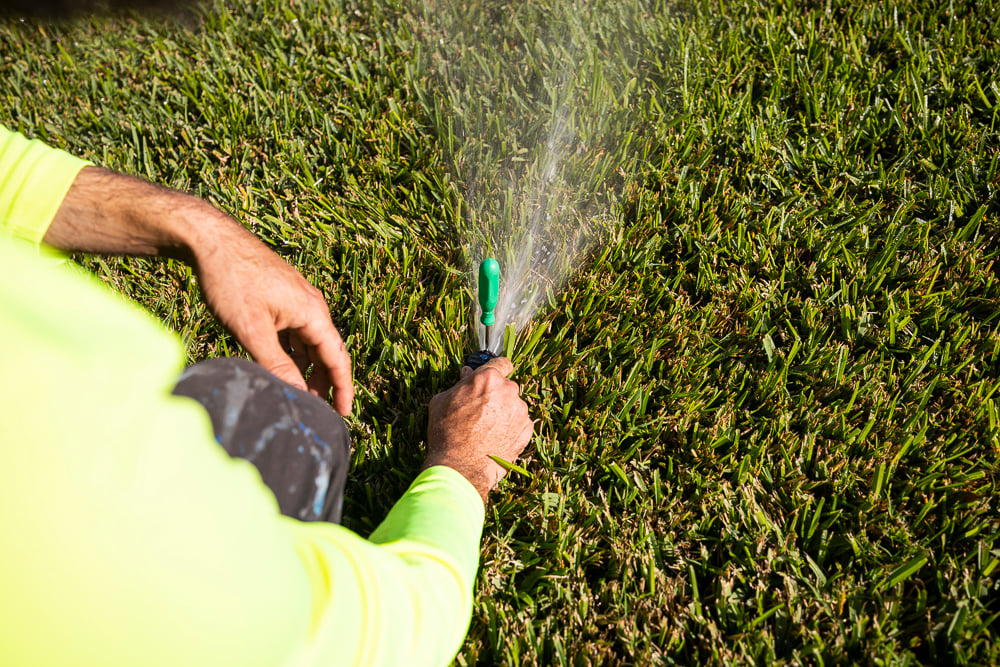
<point>768,402</point>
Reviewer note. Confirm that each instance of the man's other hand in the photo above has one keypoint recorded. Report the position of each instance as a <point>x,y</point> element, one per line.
<point>480,416</point>
<point>282,320</point>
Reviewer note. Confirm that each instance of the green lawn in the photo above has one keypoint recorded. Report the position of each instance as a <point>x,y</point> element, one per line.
<point>767,401</point>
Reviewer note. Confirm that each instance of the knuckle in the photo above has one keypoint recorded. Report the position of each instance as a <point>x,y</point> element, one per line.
<point>316,295</point>
<point>484,379</point>
<point>318,302</point>
<point>312,293</point>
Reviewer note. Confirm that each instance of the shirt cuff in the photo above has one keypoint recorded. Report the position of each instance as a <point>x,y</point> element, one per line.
<point>34,180</point>
<point>442,510</point>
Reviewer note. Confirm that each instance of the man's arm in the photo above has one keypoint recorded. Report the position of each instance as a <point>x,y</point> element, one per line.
<point>47,193</point>
<point>182,546</point>
<point>252,291</point>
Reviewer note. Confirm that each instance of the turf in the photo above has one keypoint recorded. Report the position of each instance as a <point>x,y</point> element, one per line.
<point>767,402</point>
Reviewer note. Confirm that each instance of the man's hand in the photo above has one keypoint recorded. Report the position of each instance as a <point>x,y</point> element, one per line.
<point>271,308</point>
<point>266,303</point>
<point>480,416</point>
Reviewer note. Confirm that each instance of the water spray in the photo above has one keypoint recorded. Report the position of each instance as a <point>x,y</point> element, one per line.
<point>541,177</point>
<point>489,294</point>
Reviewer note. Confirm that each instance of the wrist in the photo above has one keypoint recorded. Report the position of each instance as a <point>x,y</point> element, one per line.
<point>199,229</point>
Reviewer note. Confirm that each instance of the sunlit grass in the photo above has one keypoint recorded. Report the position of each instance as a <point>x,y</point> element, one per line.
<point>767,403</point>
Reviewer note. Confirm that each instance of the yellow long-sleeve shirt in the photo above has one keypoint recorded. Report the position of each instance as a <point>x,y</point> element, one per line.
<point>128,537</point>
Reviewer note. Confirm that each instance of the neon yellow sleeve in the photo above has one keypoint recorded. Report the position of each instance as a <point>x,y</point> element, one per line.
<point>130,537</point>
<point>33,181</point>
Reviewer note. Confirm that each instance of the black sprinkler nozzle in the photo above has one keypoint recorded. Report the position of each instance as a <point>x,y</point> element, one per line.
<point>476,359</point>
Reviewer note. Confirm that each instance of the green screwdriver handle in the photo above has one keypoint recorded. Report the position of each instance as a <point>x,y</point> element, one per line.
<point>489,290</point>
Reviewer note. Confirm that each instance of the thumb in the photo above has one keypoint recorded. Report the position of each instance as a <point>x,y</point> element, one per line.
<point>466,372</point>
<point>502,365</point>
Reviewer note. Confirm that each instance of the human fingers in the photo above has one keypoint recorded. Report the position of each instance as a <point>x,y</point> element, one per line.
<point>328,351</point>
<point>527,431</point>
<point>319,381</point>
<point>502,365</point>
<point>516,437</point>
<point>296,349</point>
<point>261,341</point>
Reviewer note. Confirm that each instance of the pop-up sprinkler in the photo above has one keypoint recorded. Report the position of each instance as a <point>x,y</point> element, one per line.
<point>489,293</point>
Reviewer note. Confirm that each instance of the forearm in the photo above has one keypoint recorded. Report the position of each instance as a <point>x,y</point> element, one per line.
<point>110,213</point>
<point>253,292</point>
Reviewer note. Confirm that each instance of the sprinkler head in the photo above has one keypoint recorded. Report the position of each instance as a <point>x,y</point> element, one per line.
<point>476,359</point>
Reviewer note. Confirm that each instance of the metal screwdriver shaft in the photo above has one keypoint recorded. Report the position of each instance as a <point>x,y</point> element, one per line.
<point>489,293</point>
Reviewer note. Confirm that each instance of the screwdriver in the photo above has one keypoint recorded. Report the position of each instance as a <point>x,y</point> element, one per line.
<point>489,293</point>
